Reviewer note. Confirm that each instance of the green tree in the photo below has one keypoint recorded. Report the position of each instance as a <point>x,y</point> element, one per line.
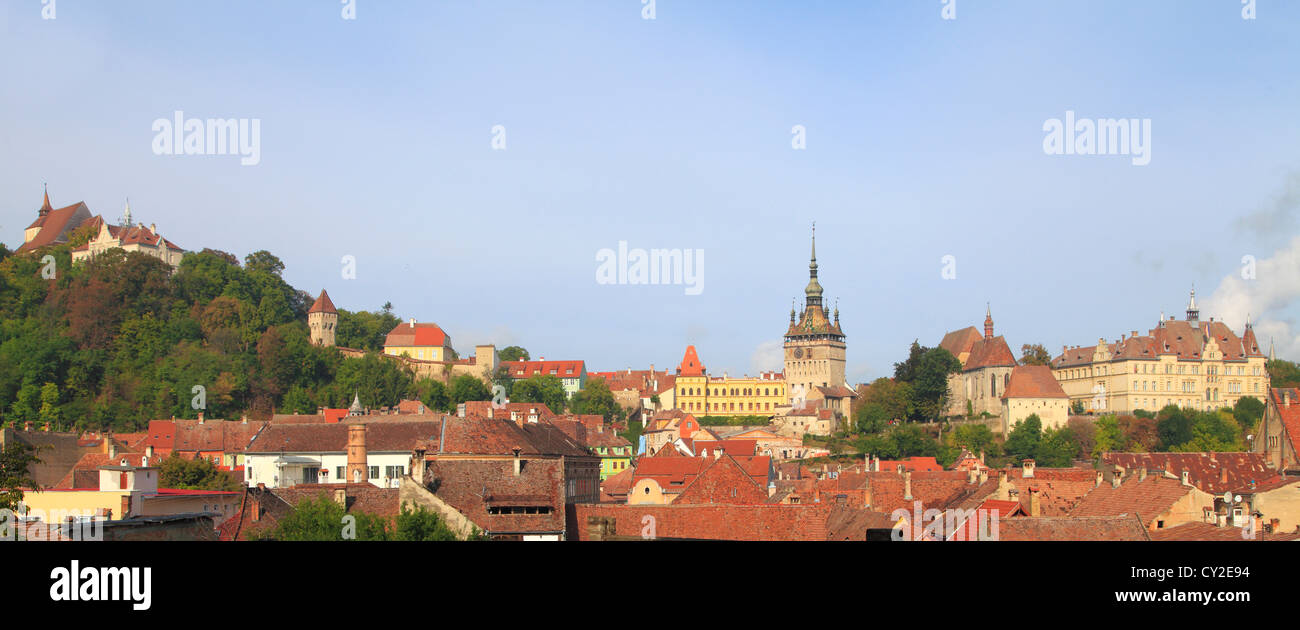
<point>870,418</point>
<point>976,438</point>
<point>1248,411</point>
<point>1174,427</point>
<point>513,353</point>
<point>1283,373</point>
<point>194,474</point>
<point>466,387</point>
<point>1022,442</point>
<point>16,461</point>
<point>433,394</point>
<point>1056,449</point>
<point>1034,354</point>
<point>931,383</point>
<point>323,519</point>
<point>50,414</point>
<point>1107,436</point>
<point>596,399</point>
<point>418,524</point>
<point>540,388</point>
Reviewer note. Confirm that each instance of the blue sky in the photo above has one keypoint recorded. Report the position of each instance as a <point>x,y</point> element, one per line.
<point>924,139</point>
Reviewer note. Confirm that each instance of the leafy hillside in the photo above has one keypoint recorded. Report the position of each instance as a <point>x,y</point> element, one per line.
<point>119,341</point>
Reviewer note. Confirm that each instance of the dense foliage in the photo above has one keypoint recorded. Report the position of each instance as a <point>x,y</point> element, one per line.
<point>120,340</point>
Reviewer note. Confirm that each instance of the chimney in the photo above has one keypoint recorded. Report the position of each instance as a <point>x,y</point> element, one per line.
<point>971,475</point>
<point>148,452</point>
<point>112,448</point>
<point>200,417</point>
<point>243,419</point>
<point>357,469</point>
<point>518,463</point>
<point>412,322</point>
<point>1116,478</point>
<point>460,410</point>
<point>341,497</point>
<point>983,476</point>
<point>255,499</point>
<point>1223,475</point>
<point>1029,469</point>
<point>771,488</point>
<point>907,486</point>
<point>1035,503</point>
<point>1142,473</point>
<point>1099,479</point>
<point>1187,480</point>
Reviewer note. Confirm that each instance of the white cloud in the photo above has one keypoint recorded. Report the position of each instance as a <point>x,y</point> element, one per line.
<point>1269,300</point>
<point>768,356</point>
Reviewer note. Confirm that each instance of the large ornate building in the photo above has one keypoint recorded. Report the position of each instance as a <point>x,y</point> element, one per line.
<point>815,348</point>
<point>704,395</point>
<point>1191,363</point>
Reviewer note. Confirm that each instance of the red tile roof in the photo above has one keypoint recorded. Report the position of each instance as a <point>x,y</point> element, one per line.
<point>1288,413</point>
<point>1209,531</point>
<point>1033,381</point>
<point>710,522</point>
<point>1215,473</point>
<point>990,353</point>
<point>418,334</point>
<point>323,304</point>
<point>56,225</point>
<point>959,341</point>
<point>333,438</point>
<point>558,369</point>
<point>1147,498</point>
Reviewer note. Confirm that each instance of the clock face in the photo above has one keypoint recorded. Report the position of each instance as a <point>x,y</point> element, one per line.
<point>798,353</point>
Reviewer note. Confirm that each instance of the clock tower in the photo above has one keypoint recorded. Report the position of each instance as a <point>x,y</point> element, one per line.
<point>814,344</point>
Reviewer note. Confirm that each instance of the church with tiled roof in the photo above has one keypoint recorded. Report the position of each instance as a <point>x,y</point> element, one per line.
<point>987,363</point>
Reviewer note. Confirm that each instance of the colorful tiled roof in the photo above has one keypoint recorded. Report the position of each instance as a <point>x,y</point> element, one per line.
<point>407,334</point>
<point>323,304</point>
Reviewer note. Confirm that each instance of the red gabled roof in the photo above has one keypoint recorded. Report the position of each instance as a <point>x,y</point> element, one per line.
<point>323,304</point>
<point>1289,413</point>
<point>558,369</point>
<point>690,365</point>
<point>56,225</point>
<point>990,353</point>
<point>417,334</point>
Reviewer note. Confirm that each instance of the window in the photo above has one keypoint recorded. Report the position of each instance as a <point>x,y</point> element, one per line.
<point>374,472</point>
<point>338,473</point>
<point>393,472</point>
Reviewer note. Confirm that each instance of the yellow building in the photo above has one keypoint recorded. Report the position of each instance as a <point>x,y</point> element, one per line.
<point>1191,363</point>
<point>426,342</point>
<point>126,491</point>
<point>702,395</point>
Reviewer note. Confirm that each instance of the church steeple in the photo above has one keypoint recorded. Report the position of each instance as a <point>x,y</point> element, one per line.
<point>1271,356</point>
<point>988,321</point>
<point>45,207</point>
<point>813,292</point>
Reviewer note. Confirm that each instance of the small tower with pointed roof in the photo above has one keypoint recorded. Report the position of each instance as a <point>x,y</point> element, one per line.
<point>323,320</point>
<point>1193,313</point>
<point>988,321</point>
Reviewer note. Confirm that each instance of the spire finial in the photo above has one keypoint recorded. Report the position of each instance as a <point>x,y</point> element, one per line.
<point>814,241</point>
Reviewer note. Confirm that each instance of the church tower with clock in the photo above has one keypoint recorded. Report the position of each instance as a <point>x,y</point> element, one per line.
<point>814,344</point>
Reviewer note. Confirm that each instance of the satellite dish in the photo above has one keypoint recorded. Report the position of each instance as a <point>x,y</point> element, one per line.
<point>1237,500</point>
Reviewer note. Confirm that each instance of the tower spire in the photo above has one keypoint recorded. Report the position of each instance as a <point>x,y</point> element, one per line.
<point>813,292</point>
<point>45,207</point>
<point>126,216</point>
<point>1193,313</point>
<point>1271,355</point>
<point>988,321</point>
